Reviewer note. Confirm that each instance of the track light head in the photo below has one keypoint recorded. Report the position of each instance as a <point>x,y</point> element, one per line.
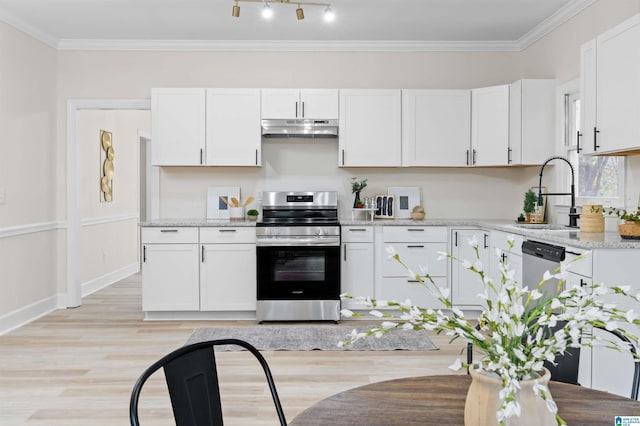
<point>328,15</point>
<point>235,12</point>
<point>267,12</point>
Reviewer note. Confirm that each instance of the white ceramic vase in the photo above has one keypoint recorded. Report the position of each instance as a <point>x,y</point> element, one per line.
<point>483,401</point>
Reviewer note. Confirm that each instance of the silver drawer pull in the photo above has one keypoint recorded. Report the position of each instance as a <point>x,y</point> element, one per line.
<point>413,281</point>
<point>357,230</point>
<point>415,229</point>
<point>168,230</point>
<point>415,246</point>
<point>227,230</point>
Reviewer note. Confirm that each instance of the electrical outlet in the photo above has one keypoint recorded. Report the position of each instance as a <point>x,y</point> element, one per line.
<point>2,195</point>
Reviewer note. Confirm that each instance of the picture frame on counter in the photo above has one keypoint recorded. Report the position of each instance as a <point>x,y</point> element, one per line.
<point>406,198</point>
<point>216,207</point>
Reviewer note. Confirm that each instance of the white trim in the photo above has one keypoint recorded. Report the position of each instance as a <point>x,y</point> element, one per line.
<point>28,29</point>
<point>106,280</point>
<point>74,287</point>
<point>108,219</point>
<point>565,13</point>
<point>31,228</point>
<point>289,45</point>
<point>18,318</point>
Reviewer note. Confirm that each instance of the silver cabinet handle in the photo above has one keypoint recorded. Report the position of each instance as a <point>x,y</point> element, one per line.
<point>201,152</point>
<point>357,230</point>
<point>296,109</point>
<point>302,109</point>
<point>420,246</point>
<point>343,157</point>
<point>256,157</point>
<point>202,254</point>
<point>227,230</point>
<point>144,254</point>
<point>168,230</point>
<point>415,229</point>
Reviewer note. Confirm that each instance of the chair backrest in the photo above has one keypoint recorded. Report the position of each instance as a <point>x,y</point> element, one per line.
<point>192,381</point>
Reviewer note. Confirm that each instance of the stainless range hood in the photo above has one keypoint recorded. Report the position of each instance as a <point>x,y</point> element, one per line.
<point>300,128</point>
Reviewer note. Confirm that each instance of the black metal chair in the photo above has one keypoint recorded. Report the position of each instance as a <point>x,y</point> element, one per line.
<point>567,365</point>
<point>192,381</point>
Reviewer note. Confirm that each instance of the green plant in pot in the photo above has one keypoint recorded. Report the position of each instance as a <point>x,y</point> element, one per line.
<point>630,229</point>
<point>356,188</point>
<point>529,205</point>
<point>253,214</point>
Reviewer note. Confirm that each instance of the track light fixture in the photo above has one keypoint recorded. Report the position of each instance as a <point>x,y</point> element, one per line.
<point>267,12</point>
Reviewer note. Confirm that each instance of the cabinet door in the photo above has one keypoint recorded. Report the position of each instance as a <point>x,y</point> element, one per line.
<point>465,284</point>
<point>280,103</point>
<point>618,86</point>
<point>370,128</point>
<point>170,278</point>
<point>531,121</point>
<point>489,126</point>
<point>588,96</point>
<point>319,104</point>
<point>178,127</point>
<point>233,127</point>
<point>357,272</point>
<point>228,277</point>
<point>436,127</point>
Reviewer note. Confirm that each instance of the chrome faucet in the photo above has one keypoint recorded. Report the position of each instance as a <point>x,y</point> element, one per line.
<point>573,216</point>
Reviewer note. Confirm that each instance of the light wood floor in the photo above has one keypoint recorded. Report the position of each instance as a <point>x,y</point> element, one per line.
<point>77,367</point>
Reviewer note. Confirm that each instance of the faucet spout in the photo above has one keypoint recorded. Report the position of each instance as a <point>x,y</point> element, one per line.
<point>573,215</point>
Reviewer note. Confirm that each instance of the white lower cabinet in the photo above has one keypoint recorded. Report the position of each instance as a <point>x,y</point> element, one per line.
<point>512,257</point>
<point>418,248</point>
<point>170,278</point>
<point>357,264</point>
<point>228,269</point>
<point>466,284</point>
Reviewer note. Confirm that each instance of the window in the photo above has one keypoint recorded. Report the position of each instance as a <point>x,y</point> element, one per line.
<point>599,179</point>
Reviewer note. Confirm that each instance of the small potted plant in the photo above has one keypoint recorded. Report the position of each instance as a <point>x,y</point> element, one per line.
<point>252,214</point>
<point>521,218</point>
<point>630,229</point>
<point>529,205</point>
<point>356,187</point>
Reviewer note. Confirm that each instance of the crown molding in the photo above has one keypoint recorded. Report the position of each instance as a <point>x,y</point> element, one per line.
<point>287,45</point>
<point>28,29</point>
<point>565,13</point>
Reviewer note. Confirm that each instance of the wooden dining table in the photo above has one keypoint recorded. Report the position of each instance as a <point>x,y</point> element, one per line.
<point>439,400</point>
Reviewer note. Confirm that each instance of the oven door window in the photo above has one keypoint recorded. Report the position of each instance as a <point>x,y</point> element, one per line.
<point>298,272</point>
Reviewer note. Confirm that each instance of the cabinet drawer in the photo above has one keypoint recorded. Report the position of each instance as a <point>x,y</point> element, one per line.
<point>499,239</point>
<point>169,235</point>
<point>401,289</point>
<point>357,234</point>
<point>227,234</point>
<point>415,256</point>
<point>426,234</point>
<point>583,266</point>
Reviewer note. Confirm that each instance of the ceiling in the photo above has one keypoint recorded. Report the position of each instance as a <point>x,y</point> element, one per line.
<point>359,24</point>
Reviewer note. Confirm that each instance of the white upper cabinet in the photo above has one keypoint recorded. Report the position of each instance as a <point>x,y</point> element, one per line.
<point>531,121</point>
<point>206,127</point>
<point>370,128</point>
<point>613,68</point>
<point>489,126</point>
<point>300,103</point>
<point>178,127</point>
<point>233,127</point>
<point>436,127</point>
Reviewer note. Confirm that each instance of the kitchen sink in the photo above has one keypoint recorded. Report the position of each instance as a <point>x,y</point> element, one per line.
<point>546,227</point>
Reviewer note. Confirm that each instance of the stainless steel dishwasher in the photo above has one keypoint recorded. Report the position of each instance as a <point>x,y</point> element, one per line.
<point>537,258</point>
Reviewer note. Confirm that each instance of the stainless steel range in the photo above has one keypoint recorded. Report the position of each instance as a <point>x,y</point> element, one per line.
<point>298,257</point>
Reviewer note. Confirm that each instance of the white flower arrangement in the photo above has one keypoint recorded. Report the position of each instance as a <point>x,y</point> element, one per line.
<point>513,329</point>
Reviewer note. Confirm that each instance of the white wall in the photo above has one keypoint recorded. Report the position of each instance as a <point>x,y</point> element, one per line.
<point>28,234</point>
<point>109,235</point>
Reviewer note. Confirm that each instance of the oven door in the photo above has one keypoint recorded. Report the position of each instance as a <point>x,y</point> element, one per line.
<point>298,273</point>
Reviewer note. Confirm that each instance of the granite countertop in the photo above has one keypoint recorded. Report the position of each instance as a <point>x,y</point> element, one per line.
<point>196,222</point>
<point>557,235</point>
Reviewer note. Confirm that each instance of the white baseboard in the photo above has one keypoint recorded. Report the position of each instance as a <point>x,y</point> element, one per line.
<point>106,280</point>
<point>27,314</point>
<point>18,318</point>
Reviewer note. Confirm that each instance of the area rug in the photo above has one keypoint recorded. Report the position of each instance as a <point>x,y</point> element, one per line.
<point>313,337</point>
